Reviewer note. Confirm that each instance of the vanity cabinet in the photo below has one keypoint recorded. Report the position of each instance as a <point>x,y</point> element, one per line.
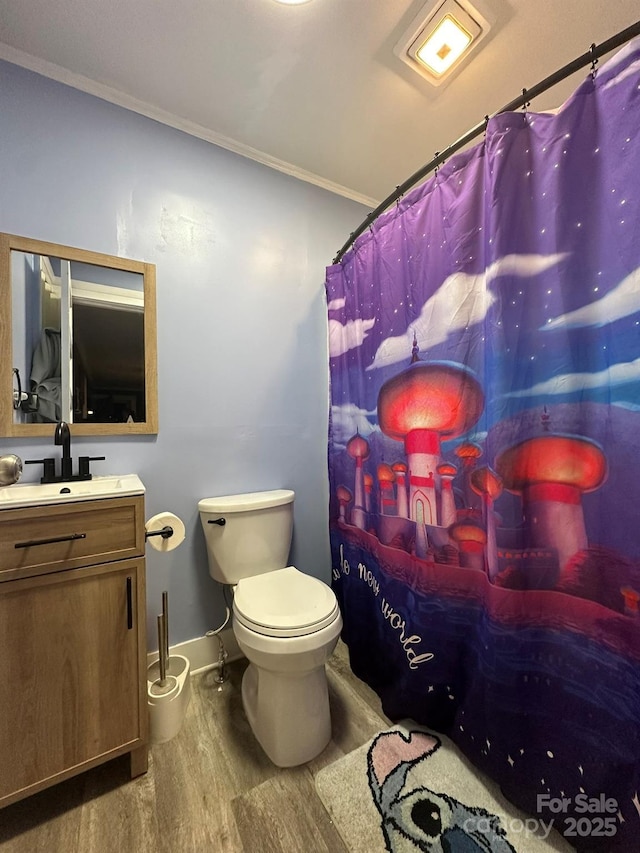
<point>72,641</point>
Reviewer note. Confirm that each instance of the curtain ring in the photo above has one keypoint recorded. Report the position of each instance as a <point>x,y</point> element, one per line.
<point>525,103</point>
<point>594,61</point>
<point>435,157</point>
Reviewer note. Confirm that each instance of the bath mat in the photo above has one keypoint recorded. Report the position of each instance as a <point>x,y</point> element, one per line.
<point>410,790</point>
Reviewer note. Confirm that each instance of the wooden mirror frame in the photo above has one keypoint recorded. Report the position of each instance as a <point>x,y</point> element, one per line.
<point>11,242</point>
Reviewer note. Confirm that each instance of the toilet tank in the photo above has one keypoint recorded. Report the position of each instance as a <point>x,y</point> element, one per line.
<point>255,537</point>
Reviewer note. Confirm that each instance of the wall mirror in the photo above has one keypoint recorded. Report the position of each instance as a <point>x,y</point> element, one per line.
<point>77,341</point>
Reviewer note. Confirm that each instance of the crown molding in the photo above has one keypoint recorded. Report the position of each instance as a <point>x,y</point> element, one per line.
<point>120,99</point>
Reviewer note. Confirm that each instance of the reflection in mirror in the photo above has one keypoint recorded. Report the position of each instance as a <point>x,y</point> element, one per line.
<point>108,349</point>
<point>100,311</point>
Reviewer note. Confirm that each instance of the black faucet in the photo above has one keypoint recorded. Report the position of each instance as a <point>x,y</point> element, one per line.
<point>63,436</point>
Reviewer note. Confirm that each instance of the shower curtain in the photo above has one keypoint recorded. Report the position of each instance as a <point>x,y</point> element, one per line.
<point>484,456</point>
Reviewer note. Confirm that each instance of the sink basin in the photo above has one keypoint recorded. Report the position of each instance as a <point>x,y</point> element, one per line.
<point>41,494</point>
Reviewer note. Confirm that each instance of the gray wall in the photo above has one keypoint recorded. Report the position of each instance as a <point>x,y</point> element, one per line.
<point>240,252</point>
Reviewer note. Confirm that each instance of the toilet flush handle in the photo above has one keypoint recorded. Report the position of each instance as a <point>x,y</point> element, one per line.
<point>219,521</point>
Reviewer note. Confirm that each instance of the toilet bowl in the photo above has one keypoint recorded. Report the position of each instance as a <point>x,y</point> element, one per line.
<point>284,689</point>
<point>285,622</point>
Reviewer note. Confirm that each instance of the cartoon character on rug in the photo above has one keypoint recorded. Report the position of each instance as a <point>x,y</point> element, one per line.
<point>421,819</point>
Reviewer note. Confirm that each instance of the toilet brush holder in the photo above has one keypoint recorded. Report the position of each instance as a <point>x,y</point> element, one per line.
<point>168,685</point>
<point>168,702</point>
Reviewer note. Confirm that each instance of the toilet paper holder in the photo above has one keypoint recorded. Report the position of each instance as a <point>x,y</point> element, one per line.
<point>167,529</point>
<point>166,532</point>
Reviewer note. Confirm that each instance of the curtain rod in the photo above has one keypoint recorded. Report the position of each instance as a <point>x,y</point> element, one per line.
<point>591,56</point>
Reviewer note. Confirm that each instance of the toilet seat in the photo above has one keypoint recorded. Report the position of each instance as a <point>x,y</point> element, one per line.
<point>284,603</point>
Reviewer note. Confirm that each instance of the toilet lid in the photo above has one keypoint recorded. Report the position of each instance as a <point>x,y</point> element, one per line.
<point>284,603</point>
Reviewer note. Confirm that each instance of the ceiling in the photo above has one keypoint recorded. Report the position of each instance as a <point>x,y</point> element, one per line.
<point>313,90</point>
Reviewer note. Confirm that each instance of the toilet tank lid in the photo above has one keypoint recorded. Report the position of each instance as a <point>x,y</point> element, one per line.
<point>246,502</point>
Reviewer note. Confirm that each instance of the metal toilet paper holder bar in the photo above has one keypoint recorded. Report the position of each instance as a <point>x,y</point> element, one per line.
<point>166,532</point>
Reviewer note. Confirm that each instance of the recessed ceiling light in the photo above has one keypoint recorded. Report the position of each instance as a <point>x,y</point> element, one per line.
<point>444,46</point>
<point>440,37</point>
<point>292,2</point>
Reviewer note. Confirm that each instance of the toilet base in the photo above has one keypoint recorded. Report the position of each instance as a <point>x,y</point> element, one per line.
<point>288,713</point>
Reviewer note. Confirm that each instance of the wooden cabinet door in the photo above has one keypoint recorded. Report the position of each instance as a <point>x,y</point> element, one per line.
<point>69,672</point>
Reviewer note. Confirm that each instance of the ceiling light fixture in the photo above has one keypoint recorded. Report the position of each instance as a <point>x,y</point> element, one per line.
<point>445,45</point>
<point>440,37</point>
<point>292,2</point>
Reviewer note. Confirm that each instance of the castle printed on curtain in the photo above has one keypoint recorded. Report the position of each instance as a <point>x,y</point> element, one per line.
<point>484,454</point>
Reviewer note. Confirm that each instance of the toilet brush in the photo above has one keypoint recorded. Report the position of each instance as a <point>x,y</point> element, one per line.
<point>168,685</point>
<point>165,613</point>
<point>165,683</point>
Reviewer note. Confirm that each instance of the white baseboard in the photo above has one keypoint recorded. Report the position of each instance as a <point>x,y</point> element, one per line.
<point>202,652</point>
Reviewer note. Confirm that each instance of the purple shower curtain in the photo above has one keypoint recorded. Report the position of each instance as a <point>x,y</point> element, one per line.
<point>484,456</point>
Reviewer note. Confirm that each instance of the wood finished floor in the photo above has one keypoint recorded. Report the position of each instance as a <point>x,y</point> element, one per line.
<point>211,788</point>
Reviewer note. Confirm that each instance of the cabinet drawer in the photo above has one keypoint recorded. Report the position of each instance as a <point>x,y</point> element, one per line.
<point>35,540</point>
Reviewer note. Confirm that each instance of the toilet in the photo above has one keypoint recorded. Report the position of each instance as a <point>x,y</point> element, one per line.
<point>285,622</point>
